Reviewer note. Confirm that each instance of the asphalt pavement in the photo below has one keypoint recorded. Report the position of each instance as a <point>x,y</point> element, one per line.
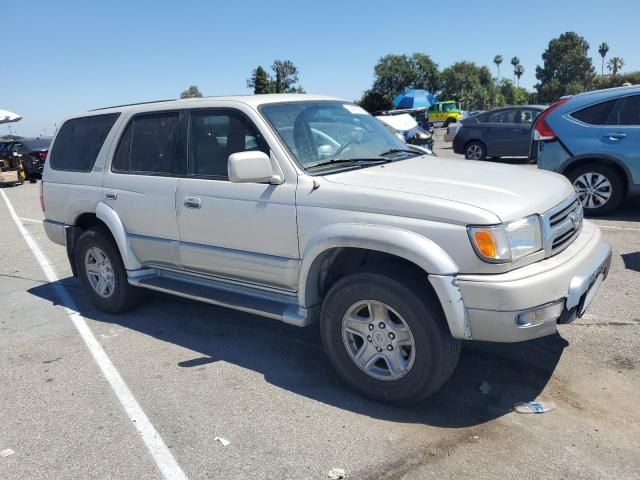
<point>200,372</point>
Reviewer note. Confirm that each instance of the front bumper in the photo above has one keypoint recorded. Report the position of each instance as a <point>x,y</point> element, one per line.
<point>493,303</point>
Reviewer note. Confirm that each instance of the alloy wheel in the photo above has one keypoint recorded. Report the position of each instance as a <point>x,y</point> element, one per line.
<point>378,340</point>
<point>593,189</point>
<point>99,272</point>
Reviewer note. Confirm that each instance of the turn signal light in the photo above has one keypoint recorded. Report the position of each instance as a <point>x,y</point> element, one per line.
<point>485,243</point>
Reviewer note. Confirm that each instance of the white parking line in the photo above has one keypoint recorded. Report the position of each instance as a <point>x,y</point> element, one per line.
<point>157,448</point>
<point>32,220</point>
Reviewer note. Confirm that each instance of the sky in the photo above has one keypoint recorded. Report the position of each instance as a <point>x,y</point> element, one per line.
<point>68,56</point>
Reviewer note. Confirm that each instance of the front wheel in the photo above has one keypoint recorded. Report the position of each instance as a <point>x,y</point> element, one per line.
<point>599,187</point>
<point>386,337</point>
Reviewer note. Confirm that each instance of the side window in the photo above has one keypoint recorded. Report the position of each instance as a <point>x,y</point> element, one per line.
<point>527,116</point>
<point>503,116</point>
<point>148,145</point>
<point>79,141</point>
<point>629,112</point>
<point>216,134</point>
<point>595,114</point>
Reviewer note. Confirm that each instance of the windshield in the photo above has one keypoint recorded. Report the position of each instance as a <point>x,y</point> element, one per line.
<point>36,143</point>
<point>450,107</point>
<point>320,133</point>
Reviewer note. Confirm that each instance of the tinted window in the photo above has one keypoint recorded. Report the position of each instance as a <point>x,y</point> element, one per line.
<point>148,145</point>
<point>503,116</point>
<point>595,114</point>
<point>36,143</point>
<point>214,135</point>
<point>79,141</point>
<point>629,112</point>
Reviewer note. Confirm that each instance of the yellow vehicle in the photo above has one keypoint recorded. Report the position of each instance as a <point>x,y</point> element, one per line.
<point>444,113</point>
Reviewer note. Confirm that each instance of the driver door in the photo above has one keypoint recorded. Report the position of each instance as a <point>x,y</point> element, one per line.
<point>244,232</point>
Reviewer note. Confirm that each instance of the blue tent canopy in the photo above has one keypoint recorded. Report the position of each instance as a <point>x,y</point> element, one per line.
<point>414,98</point>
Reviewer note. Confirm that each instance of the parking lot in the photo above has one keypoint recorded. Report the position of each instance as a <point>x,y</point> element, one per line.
<point>200,372</point>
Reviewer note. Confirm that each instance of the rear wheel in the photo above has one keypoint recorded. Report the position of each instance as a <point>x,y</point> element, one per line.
<point>102,272</point>
<point>475,151</point>
<point>387,337</point>
<point>600,188</point>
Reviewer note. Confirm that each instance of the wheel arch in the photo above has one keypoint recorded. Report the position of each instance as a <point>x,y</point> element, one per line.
<point>389,242</point>
<point>107,218</point>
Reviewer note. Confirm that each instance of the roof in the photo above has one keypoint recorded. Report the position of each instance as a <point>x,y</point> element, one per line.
<point>251,100</point>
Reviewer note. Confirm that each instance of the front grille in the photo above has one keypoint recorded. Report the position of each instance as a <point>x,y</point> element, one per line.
<point>563,224</point>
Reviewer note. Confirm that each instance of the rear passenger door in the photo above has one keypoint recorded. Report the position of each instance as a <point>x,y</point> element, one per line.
<point>522,138</point>
<point>501,132</point>
<point>621,135</point>
<point>141,182</point>
<point>237,231</point>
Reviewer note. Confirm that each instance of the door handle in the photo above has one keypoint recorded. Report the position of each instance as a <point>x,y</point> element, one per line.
<point>192,202</point>
<point>110,195</point>
<point>615,136</point>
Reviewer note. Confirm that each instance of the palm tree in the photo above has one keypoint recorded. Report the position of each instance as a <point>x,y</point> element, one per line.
<point>515,61</point>
<point>603,49</point>
<point>498,60</point>
<point>518,71</point>
<point>615,64</point>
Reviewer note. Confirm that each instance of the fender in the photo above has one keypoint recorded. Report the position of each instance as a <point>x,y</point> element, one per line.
<point>105,213</point>
<point>395,241</point>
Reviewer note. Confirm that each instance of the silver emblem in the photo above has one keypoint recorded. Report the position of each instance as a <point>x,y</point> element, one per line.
<point>575,219</point>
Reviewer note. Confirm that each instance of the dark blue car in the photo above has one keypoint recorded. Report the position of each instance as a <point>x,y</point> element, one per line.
<point>594,140</point>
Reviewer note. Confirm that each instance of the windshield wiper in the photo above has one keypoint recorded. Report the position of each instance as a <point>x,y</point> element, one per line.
<point>333,161</point>
<point>398,150</point>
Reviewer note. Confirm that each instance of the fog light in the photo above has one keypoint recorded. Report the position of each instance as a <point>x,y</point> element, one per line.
<point>542,314</point>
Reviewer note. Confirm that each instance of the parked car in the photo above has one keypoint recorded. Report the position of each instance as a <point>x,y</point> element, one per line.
<point>305,208</point>
<point>501,132</point>
<point>29,153</point>
<point>445,113</point>
<point>594,140</point>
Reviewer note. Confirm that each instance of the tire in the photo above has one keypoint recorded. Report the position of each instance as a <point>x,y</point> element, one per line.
<point>448,122</point>
<point>90,247</point>
<point>427,365</point>
<point>475,151</point>
<point>32,180</point>
<point>607,188</point>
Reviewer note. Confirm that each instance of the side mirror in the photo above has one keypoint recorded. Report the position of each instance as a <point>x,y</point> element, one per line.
<point>251,167</point>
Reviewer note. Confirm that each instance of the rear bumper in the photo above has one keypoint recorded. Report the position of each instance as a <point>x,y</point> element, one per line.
<point>55,232</point>
<point>560,288</point>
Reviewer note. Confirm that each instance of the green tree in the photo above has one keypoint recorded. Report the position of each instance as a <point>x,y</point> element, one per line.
<point>614,65</point>
<point>469,84</point>
<point>610,81</point>
<point>498,60</point>
<point>192,92</point>
<point>393,74</point>
<point>285,77</point>
<point>260,81</point>
<point>603,49</point>
<point>515,61</point>
<point>374,102</point>
<point>518,71</point>
<point>566,70</point>
<point>512,95</point>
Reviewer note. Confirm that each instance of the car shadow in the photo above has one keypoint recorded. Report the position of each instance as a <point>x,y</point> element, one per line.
<point>629,211</point>
<point>292,358</point>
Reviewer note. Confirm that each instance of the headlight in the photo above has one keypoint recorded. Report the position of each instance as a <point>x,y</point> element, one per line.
<point>507,242</point>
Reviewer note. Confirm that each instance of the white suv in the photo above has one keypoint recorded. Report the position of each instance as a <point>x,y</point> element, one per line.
<point>302,208</point>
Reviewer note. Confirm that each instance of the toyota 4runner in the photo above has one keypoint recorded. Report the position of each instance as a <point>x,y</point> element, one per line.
<point>305,208</point>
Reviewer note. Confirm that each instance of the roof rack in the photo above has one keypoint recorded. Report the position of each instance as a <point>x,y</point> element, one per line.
<point>132,104</point>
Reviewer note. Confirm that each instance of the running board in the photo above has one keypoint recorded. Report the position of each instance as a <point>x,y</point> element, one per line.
<point>257,303</point>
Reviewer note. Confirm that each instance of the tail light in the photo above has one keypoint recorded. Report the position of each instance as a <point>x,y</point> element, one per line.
<point>541,129</point>
<point>42,155</point>
<point>42,195</point>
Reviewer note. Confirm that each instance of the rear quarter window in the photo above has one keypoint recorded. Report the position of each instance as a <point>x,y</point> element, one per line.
<point>79,141</point>
<point>595,114</point>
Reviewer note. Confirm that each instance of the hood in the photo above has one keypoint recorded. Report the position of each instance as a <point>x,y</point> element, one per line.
<point>508,191</point>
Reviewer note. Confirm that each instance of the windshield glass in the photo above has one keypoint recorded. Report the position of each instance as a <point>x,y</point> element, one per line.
<point>320,132</point>
<point>449,107</point>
